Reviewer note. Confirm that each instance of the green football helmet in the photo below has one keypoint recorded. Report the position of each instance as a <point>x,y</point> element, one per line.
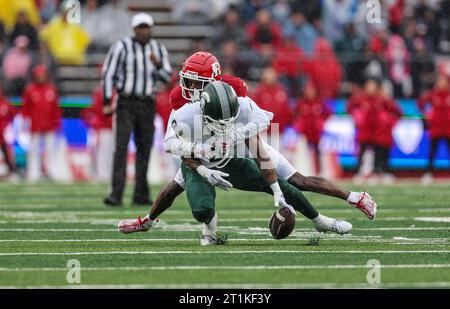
<point>220,107</point>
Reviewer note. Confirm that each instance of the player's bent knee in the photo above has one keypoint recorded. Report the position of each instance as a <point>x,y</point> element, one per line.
<point>204,216</point>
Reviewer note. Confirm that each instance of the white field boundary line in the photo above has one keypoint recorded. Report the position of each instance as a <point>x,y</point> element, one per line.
<point>226,252</point>
<point>63,219</point>
<point>411,241</point>
<point>224,227</point>
<point>244,267</point>
<point>442,284</point>
<point>70,211</point>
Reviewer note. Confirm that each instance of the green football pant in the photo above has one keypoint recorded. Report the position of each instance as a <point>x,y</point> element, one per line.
<point>244,175</point>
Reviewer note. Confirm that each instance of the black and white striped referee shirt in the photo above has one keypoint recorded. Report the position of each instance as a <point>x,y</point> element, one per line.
<point>129,70</point>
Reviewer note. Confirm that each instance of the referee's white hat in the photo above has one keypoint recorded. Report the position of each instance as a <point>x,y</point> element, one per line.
<point>141,19</point>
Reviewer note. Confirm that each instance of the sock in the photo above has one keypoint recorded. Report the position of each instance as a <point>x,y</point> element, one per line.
<point>147,222</point>
<point>210,228</point>
<point>296,199</point>
<point>321,219</point>
<point>353,198</point>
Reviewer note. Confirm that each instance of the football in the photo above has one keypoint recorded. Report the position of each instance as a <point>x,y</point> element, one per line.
<point>282,223</point>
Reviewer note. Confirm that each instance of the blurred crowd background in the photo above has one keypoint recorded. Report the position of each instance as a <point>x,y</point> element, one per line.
<point>306,61</point>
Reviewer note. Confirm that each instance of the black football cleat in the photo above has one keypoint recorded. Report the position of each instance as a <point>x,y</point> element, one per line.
<point>112,202</point>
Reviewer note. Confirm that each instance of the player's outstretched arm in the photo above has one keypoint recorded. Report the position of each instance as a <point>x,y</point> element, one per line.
<point>268,171</point>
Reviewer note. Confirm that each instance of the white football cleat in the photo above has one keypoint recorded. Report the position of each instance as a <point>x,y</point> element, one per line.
<point>324,224</point>
<point>129,226</point>
<point>367,205</point>
<point>208,240</point>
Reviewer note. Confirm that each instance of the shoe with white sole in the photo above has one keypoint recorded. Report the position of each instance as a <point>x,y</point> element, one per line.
<point>324,224</point>
<point>367,205</point>
<point>213,240</point>
<point>129,226</point>
<point>208,240</point>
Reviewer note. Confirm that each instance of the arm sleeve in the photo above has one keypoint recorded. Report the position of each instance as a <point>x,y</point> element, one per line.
<point>109,71</point>
<point>258,121</point>
<point>172,143</point>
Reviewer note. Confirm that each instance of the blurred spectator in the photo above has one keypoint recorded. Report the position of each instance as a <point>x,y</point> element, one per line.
<point>336,14</point>
<point>350,45</point>
<point>288,62</point>
<point>297,26</point>
<point>312,9</point>
<point>264,34</point>
<point>387,115</point>
<point>67,41</point>
<point>435,107</point>
<point>367,28</point>
<point>103,145</point>
<point>281,10</point>
<point>350,50</point>
<point>398,59</point>
<point>40,106</point>
<point>251,7</point>
<point>24,27</point>
<point>396,15</point>
<point>422,68</point>
<point>2,40</point>
<point>238,63</point>
<point>325,70</point>
<point>372,66</point>
<point>362,106</point>
<point>379,40</point>
<point>16,66</point>
<point>112,18</point>
<point>230,29</point>
<point>273,97</point>
<point>9,11</point>
<point>6,116</point>
<point>197,11</point>
<point>45,58</point>
<point>47,8</point>
<point>312,114</point>
<point>91,21</point>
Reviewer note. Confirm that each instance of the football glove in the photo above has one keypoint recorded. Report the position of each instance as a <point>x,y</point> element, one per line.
<point>214,177</point>
<point>279,199</point>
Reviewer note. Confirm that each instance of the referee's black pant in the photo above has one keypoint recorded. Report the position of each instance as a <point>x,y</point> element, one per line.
<point>133,116</point>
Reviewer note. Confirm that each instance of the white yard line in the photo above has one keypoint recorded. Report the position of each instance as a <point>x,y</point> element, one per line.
<point>239,285</point>
<point>195,227</point>
<point>244,267</point>
<point>225,252</point>
<point>402,240</point>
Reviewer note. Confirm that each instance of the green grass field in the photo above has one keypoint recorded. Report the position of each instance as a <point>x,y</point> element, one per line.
<point>43,226</point>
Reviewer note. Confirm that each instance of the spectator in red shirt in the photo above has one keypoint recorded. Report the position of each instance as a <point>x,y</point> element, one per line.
<point>288,62</point>
<point>435,106</point>
<point>40,106</point>
<point>374,115</point>
<point>311,116</point>
<point>273,97</point>
<point>325,70</point>
<point>103,137</point>
<point>6,116</point>
<point>388,114</point>
<point>264,34</point>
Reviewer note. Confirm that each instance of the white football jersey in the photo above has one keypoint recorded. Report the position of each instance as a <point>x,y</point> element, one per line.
<point>187,124</point>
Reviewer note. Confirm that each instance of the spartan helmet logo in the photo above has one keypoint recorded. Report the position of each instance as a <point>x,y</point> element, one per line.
<point>216,69</point>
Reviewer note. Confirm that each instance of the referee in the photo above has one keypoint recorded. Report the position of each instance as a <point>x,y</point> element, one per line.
<point>132,67</point>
